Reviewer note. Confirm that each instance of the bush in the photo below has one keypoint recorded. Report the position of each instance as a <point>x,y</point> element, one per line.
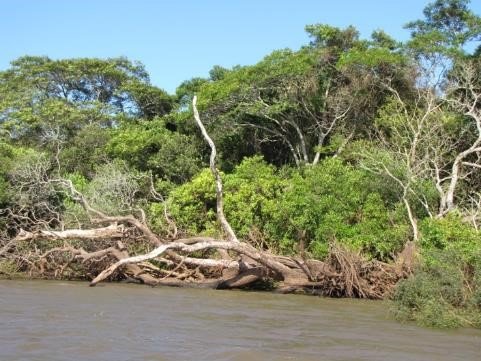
<point>333,202</point>
<point>444,292</point>
<point>114,190</point>
<point>250,195</point>
<point>452,234</point>
<point>321,204</point>
<point>476,298</point>
<point>192,205</point>
<point>8,268</point>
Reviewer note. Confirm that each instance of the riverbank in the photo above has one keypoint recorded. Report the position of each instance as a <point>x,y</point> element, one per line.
<point>441,291</point>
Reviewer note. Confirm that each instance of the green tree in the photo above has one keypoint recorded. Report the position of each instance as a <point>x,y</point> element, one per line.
<point>42,95</point>
<point>297,106</point>
<point>151,146</point>
<point>447,26</point>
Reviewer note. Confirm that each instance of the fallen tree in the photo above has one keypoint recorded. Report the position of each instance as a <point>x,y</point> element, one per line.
<point>106,252</point>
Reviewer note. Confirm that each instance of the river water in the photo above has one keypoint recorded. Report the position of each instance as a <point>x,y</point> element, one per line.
<point>48,321</point>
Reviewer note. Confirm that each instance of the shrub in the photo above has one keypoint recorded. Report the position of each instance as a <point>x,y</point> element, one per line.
<point>333,202</point>
<point>444,292</point>
<point>114,190</point>
<point>192,205</point>
<point>452,234</point>
<point>321,204</point>
<point>250,194</point>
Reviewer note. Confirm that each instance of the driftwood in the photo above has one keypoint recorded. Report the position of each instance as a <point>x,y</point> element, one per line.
<point>225,263</point>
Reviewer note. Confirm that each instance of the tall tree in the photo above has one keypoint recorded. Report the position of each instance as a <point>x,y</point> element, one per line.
<point>295,106</point>
<point>41,95</point>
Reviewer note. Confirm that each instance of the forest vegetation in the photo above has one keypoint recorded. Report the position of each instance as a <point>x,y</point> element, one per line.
<point>350,167</point>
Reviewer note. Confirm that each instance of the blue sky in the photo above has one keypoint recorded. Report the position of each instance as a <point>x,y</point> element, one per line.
<point>177,40</point>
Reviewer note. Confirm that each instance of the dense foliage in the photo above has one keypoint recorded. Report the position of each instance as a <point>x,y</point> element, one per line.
<point>367,143</point>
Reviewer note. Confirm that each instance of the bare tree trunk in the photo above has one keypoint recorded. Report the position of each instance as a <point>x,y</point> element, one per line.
<point>455,174</point>
<point>302,141</point>
<point>218,181</point>
<point>111,232</point>
<point>412,220</point>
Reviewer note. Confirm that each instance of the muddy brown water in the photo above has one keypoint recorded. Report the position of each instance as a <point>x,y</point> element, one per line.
<point>48,321</point>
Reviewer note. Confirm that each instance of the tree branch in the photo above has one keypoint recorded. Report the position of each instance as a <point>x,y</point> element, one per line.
<point>215,172</point>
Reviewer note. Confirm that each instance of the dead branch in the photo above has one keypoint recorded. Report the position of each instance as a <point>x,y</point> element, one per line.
<point>239,247</point>
<point>218,180</point>
<point>109,232</point>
